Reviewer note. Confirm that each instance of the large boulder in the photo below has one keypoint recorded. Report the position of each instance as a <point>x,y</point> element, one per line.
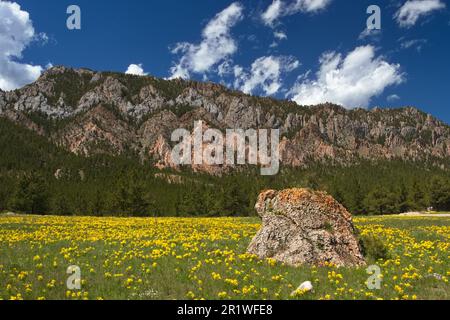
<point>300,226</point>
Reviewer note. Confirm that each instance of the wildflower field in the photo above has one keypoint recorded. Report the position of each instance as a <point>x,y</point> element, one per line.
<point>204,258</point>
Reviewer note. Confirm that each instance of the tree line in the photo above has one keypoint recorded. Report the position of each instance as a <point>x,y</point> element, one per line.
<point>37,177</point>
<point>139,193</point>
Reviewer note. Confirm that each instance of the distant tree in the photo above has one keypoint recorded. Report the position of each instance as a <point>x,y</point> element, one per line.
<point>97,203</point>
<point>31,195</point>
<point>416,197</point>
<point>140,203</point>
<point>354,196</point>
<point>60,205</point>
<point>440,193</point>
<point>120,201</point>
<point>212,202</point>
<point>401,196</point>
<point>4,193</point>
<point>189,202</point>
<point>235,199</point>
<point>337,193</point>
<point>380,201</point>
<point>130,198</point>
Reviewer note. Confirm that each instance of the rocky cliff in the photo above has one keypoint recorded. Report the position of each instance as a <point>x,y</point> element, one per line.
<point>90,112</point>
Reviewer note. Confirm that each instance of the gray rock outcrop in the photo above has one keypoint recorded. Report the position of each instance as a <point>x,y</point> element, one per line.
<point>300,226</point>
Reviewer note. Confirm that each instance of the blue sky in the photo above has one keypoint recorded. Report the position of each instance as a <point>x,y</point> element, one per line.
<point>306,50</point>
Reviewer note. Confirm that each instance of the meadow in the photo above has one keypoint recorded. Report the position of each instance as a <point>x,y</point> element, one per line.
<point>205,258</point>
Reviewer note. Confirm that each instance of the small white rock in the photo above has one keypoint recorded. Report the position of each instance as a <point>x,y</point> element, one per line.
<point>302,289</point>
<point>306,286</point>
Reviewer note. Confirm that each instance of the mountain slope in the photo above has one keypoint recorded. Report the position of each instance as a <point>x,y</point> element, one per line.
<point>89,113</point>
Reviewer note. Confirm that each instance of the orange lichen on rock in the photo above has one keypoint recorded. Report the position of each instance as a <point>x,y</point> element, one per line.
<point>295,195</point>
<point>301,226</point>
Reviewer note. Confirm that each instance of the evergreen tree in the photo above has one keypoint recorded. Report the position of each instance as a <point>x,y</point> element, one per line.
<point>416,197</point>
<point>31,194</point>
<point>130,198</point>
<point>235,199</point>
<point>97,204</point>
<point>190,202</point>
<point>402,203</point>
<point>61,206</point>
<point>380,201</point>
<point>440,193</point>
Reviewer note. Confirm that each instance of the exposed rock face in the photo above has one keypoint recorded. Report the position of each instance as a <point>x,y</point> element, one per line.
<point>305,227</point>
<point>97,131</point>
<point>147,110</point>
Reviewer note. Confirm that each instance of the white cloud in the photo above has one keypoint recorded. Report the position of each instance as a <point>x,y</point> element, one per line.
<point>273,12</point>
<point>238,71</point>
<point>265,74</point>
<point>309,5</point>
<point>136,69</point>
<point>413,43</point>
<point>280,9</point>
<point>350,81</point>
<point>374,34</point>
<point>225,68</point>
<point>392,98</point>
<point>16,33</point>
<point>412,10</point>
<point>42,38</point>
<point>280,35</point>
<point>216,46</point>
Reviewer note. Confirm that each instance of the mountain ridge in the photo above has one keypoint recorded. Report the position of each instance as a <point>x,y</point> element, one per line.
<point>89,112</point>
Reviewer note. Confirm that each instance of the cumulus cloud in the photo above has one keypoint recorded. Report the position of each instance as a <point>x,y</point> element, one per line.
<point>16,33</point>
<point>217,45</point>
<point>136,69</point>
<point>350,81</point>
<point>266,74</point>
<point>412,10</point>
<point>280,9</point>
